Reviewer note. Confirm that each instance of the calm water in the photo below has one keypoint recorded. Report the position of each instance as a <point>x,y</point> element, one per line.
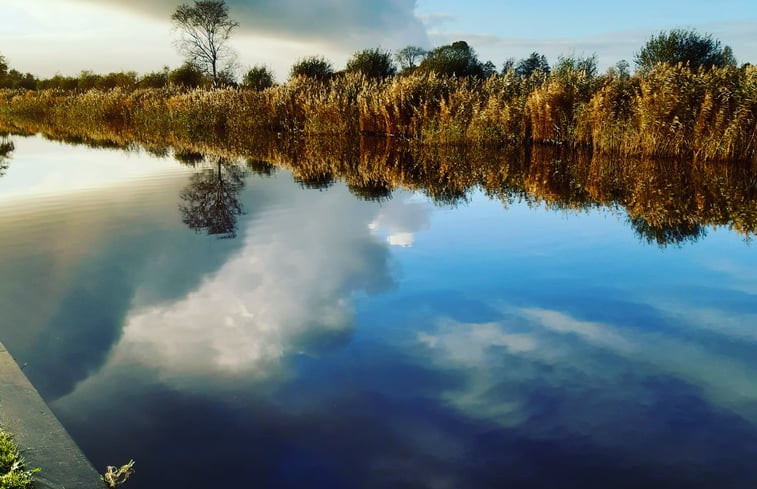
<point>314,339</point>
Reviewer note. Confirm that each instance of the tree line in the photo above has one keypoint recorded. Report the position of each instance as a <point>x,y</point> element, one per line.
<point>687,98</point>
<point>205,28</point>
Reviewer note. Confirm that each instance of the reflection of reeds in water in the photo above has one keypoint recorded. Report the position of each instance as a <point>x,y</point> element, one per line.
<point>665,200</point>
<point>669,112</point>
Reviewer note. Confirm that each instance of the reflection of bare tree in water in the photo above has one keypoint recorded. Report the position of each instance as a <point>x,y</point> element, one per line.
<point>210,201</point>
<point>6,147</point>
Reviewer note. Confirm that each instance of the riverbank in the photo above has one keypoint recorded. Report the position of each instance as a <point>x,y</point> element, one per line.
<point>42,440</point>
<point>671,111</point>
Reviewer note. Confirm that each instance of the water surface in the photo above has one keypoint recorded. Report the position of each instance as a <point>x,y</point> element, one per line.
<point>232,324</point>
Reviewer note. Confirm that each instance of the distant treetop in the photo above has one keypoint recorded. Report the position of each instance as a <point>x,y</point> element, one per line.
<point>258,78</point>
<point>205,29</point>
<point>527,66</point>
<point>316,67</point>
<point>372,63</point>
<point>456,59</point>
<point>683,46</point>
<point>409,57</point>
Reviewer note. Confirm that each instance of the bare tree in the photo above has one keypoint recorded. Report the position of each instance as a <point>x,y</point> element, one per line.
<point>205,29</point>
<point>211,200</point>
<point>408,56</point>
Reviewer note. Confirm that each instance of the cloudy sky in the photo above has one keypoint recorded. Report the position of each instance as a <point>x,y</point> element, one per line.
<point>67,36</point>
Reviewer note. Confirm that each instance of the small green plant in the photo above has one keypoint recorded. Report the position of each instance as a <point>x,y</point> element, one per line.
<point>116,476</point>
<point>12,472</point>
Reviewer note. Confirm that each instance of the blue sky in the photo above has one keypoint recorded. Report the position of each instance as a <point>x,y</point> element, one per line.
<point>612,30</point>
<point>67,36</point>
<point>575,19</point>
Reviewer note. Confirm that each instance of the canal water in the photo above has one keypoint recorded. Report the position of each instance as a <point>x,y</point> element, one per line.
<point>231,325</point>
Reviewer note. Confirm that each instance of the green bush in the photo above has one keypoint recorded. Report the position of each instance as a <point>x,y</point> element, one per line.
<point>312,67</point>
<point>156,79</point>
<point>456,59</point>
<point>125,80</point>
<point>535,63</point>
<point>188,75</point>
<point>258,78</point>
<point>372,63</point>
<point>688,47</point>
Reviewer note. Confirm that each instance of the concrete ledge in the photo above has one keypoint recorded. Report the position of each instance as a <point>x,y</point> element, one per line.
<point>42,440</point>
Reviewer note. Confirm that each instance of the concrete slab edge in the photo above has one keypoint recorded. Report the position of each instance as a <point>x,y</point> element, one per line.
<point>42,439</point>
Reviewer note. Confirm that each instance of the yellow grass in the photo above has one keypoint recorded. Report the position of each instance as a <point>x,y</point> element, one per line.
<point>669,112</point>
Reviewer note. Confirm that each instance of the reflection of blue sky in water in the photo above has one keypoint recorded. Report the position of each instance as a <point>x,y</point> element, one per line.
<point>489,347</point>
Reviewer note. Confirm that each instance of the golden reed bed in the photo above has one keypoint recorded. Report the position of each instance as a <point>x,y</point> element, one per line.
<point>671,111</point>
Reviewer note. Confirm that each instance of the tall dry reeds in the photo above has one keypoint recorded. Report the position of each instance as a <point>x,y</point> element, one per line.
<point>671,111</point>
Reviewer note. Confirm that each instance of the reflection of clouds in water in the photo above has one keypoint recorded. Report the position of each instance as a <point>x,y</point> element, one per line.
<point>728,319</point>
<point>286,292</point>
<point>404,240</point>
<point>741,326</point>
<point>470,344</point>
<point>476,349</point>
<point>595,333</point>
<point>582,364</point>
<point>107,244</point>
<point>740,275</point>
<point>42,169</point>
<point>400,218</point>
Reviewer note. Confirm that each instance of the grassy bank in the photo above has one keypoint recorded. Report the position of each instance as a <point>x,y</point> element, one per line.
<point>13,475</point>
<point>671,111</point>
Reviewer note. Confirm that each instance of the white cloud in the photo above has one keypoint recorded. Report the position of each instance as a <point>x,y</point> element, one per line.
<point>404,240</point>
<point>529,347</point>
<point>592,332</point>
<point>476,349</point>
<point>434,21</point>
<point>286,292</point>
<point>400,218</point>
<point>282,288</point>
<point>38,168</point>
<point>340,26</point>
<point>47,36</point>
